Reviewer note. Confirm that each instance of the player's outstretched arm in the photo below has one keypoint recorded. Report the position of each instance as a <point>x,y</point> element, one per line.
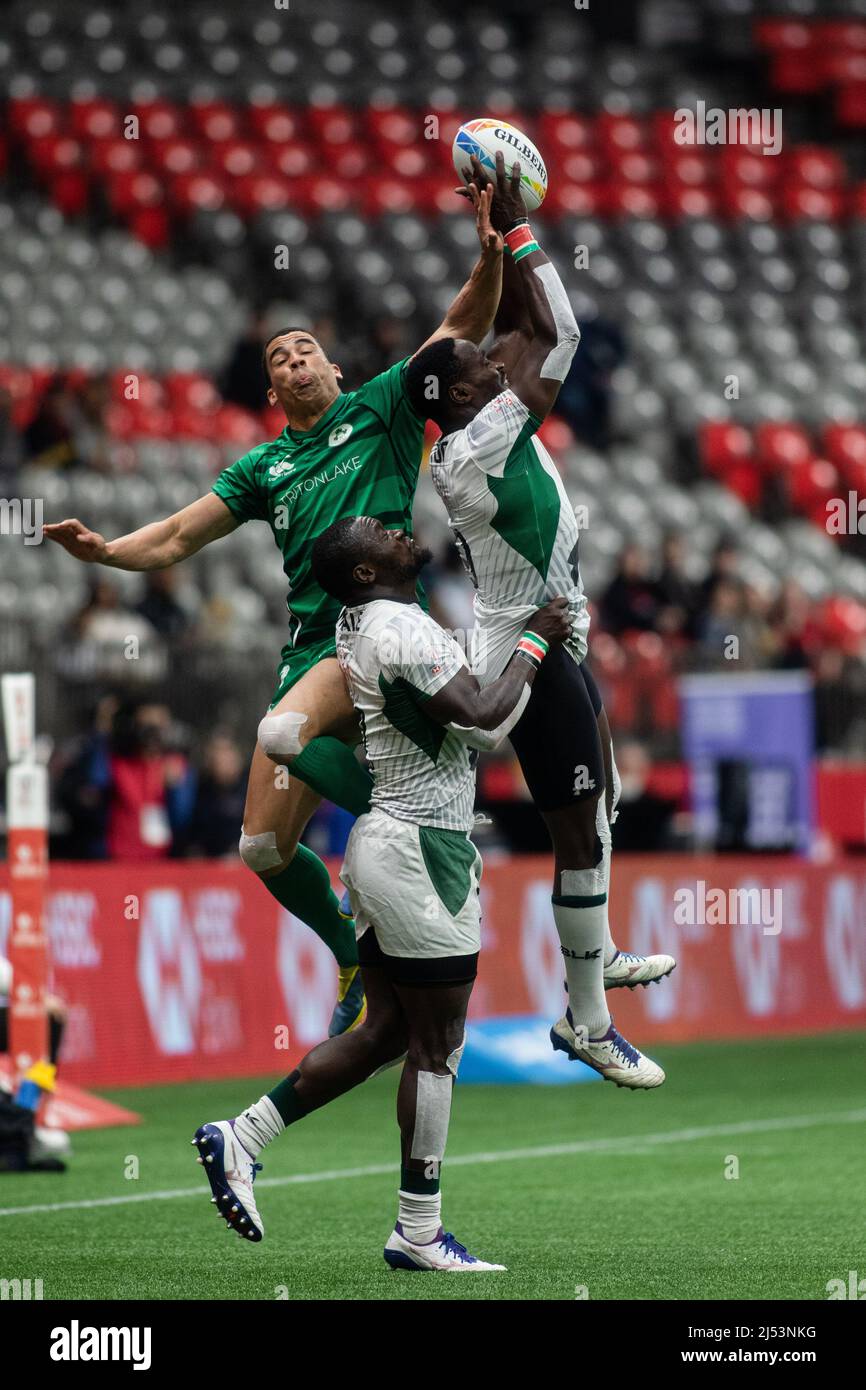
<point>536,331</point>
<point>152,547</point>
<point>471,314</point>
<point>472,711</point>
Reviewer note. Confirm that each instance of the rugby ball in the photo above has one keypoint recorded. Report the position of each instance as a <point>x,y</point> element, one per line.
<point>484,137</point>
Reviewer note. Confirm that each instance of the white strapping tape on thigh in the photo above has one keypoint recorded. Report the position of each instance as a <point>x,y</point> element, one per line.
<point>432,1113</point>
<point>617,787</point>
<point>260,851</point>
<point>558,360</point>
<point>280,734</point>
<point>452,1061</point>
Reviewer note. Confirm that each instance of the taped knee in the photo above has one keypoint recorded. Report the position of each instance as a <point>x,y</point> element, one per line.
<point>279,735</point>
<point>260,852</point>
<point>452,1061</point>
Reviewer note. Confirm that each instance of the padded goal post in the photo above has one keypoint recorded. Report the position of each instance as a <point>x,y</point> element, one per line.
<point>27,839</point>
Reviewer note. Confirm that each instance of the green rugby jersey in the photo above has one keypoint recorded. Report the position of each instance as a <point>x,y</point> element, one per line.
<point>362,458</point>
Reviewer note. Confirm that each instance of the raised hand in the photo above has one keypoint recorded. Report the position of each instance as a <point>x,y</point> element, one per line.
<point>74,536</point>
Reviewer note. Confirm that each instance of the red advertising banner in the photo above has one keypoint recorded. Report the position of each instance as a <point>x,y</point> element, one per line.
<point>190,969</point>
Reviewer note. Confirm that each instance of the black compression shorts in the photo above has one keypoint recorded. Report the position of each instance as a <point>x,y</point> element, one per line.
<point>423,971</point>
<point>556,738</point>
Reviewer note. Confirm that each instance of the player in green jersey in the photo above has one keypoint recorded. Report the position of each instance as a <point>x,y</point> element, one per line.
<point>341,454</point>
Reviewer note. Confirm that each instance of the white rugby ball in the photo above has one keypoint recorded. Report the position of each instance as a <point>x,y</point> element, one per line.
<point>484,137</point>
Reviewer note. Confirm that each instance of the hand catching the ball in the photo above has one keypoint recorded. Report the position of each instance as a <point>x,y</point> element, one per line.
<point>507,207</point>
<point>480,193</point>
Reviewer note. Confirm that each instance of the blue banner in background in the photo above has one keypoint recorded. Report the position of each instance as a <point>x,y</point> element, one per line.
<point>517,1051</point>
<point>750,739</point>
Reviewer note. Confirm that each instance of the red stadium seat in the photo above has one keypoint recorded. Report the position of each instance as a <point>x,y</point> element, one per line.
<point>254,193</point>
<point>744,480</point>
<point>559,134</point>
<point>277,125</point>
<point>843,624</point>
<point>810,166</point>
<point>235,158</point>
<point>723,446</point>
<point>332,125</point>
<point>753,203</point>
<point>114,156</point>
<point>159,120</point>
<point>800,202</point>
<point>620,133</point>
<point>215,121</point>
<point>845,446</point>
<point>175,156</point>
<point>811,487</point>
<point>31,118</point>
<point>391,126</point>
<point>782,448</point>
<point>196,192</point>
<point>387,195</point>
<point>292,159</point>
<point>94,118</point>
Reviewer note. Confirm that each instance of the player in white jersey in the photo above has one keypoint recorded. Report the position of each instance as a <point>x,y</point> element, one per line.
<point>412,875</point>
<point>519,538</point>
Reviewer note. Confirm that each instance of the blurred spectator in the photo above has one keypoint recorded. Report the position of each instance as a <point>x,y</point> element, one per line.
<point>218,810</point>
<point>797,634</point>
<point>243,381</point>
<point>631,601</point>
<point>87,416</point>
<point>678,596</point>
<point>129,792</point>
<point>644,817</point>
<point>110,642</point>
<point>11,448</point>
<point>48,438</point>
<point>159,605</point>
<point>584,400</point>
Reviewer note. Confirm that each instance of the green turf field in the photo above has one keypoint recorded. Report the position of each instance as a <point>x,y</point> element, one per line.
<point>622,1193</point>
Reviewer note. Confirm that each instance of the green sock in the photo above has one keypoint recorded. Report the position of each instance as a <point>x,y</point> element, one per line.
<point>284,1098</point>
<point>304,888</point>
<point>330,767</point>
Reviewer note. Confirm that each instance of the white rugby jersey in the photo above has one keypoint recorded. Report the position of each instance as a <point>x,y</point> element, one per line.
<point>514,526</point>
<point>395,657</point>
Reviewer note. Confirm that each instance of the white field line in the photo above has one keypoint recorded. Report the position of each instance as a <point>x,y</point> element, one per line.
<point>581,1146</point>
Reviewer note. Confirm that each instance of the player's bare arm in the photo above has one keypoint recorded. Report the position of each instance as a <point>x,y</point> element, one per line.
<point>471,314</point>
<point>463,702</point>
<point>152,547</point>
<point>537,333</point>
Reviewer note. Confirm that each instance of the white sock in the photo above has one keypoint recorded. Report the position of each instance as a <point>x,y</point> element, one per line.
<point>420,1215</point>
<point>258,1125</point>
<point>610,946</point>
<point>581,935</point>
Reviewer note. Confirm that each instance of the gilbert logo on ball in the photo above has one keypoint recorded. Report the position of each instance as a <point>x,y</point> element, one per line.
<point>484,137</point>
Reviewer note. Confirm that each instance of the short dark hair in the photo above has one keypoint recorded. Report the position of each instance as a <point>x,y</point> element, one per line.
<point>293,328</point>
<point>439,361</point>
<point>334,555</point>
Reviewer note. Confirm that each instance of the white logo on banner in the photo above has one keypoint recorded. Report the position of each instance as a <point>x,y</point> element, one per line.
<point>71,918</point>
<point>758,961</point>
<point>540,955</point>
<point>308,978</point>
<point>651,931</point>
<point>845,941</point>
<point>168,971</point>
